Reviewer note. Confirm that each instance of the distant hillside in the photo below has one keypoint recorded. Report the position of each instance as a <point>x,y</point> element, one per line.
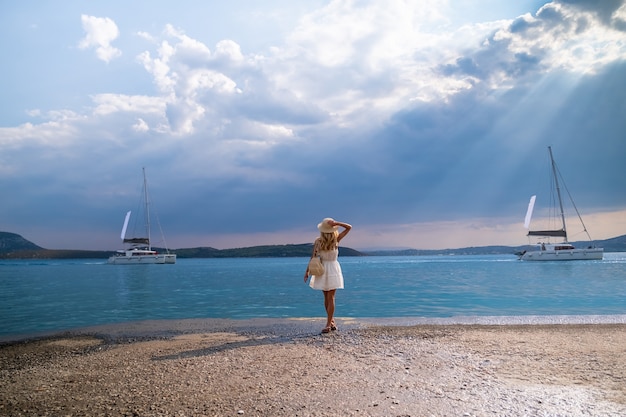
<point>14,246</point>
<point>11,242</point>
<point>56,254</point>
<point>616,244</point>
<point>478,250</point>
<point>268,251</point>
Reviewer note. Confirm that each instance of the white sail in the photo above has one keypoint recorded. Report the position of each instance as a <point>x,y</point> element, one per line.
<point>529,212</point>
<point>123,235</point>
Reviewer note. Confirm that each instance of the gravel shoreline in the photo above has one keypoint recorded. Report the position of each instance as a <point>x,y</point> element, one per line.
<point>286,368</point>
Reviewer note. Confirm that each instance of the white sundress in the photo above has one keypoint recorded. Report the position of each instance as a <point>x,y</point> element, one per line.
<point>333,277</point>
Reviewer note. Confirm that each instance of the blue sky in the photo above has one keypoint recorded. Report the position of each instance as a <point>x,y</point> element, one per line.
<point>424,124</point>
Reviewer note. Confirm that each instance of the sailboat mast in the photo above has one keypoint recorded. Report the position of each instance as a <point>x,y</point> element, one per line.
<point>147,203</point>
<point>558,190</point>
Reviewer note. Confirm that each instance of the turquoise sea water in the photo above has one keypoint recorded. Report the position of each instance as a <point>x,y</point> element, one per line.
<point>54,295</point>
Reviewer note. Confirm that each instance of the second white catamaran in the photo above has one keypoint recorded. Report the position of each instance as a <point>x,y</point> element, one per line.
<point>563,251</point>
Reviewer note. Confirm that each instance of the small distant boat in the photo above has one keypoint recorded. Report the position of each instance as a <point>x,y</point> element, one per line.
<point>563,251</point>
<point>139,250</point>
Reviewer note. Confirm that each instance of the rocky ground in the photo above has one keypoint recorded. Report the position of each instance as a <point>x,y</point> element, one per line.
<point>424,370</point>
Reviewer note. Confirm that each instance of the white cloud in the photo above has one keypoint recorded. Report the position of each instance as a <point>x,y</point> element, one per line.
<point>204,79</point>
<point>100,32</point>
<point>59,130</point>
<point>113,103</point>
<point>159,68</point>
<point>145,35</point>
<point>188,51</point>
<point>182,114</point>
<point>619,18</point>
<point>359,62</point>
<point>230,50</point>
<point>559,36</point>
<point>366,60</point>
<point>190,77</point>
<point>141,126</point>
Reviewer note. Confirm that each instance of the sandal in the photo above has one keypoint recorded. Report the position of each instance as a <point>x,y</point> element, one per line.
<point>333,326</point>
<point>326,330</point>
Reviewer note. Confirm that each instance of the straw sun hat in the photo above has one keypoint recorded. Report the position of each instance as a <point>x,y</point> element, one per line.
<point>324,227</point>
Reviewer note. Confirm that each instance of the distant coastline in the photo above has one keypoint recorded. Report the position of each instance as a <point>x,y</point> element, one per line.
<point>14,246</point>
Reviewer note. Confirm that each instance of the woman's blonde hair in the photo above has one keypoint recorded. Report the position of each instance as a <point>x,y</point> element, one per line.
<point>328,241</point>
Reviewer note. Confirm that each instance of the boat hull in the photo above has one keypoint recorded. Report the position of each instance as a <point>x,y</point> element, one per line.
<point>169,258</point>
<point>563,255</point>
<point>142,259</point>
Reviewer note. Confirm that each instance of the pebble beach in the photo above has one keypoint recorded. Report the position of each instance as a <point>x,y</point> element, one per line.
<point>287,368</point>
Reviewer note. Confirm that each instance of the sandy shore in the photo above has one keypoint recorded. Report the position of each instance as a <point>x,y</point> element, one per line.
<point>288,369</point>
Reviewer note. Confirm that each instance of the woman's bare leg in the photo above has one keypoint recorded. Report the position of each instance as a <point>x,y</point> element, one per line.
<point>329,304</point>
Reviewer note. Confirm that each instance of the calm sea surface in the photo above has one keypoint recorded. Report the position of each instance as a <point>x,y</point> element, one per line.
<point>53,295</point>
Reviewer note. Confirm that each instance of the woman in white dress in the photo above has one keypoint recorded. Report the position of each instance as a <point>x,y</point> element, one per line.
<point>327,248</point>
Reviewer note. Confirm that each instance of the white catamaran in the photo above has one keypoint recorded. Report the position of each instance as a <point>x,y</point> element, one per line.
<point>563,251</point>
<point>140,250</point>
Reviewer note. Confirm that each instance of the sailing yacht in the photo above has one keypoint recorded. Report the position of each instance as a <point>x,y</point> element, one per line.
<point>140,250</point>
<point>563,251</point>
